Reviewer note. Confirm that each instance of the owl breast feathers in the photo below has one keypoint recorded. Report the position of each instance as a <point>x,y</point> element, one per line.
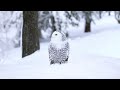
<point>58,51</point>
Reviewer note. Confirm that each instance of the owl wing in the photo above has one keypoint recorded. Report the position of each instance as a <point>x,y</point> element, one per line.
<point>52,51</point>
<point>67,48</point>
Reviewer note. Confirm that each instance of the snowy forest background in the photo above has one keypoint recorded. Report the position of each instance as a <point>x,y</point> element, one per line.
<point>11,24</point>
<point>76,24</point>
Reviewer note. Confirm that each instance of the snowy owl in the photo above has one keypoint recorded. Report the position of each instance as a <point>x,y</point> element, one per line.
<point>58,48</point>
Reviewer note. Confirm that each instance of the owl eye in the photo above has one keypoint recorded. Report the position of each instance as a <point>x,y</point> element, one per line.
<point>55,34</point>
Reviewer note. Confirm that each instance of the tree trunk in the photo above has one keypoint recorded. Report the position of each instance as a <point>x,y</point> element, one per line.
<point>118,21</point>
<point>117,16</point>
<point>53,23</point>
<point>100,14</point>
<point>30,34</point>
<point>109,13</point>
<point>87,26</point>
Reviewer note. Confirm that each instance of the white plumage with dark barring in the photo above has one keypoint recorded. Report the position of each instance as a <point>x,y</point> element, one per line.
<point>58,48</point>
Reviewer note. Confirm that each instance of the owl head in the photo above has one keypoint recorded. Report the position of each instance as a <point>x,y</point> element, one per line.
<point>56,36</point>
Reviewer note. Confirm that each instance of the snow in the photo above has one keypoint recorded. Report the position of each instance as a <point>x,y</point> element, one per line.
<point>12,32</point>
<point>46,34</point>
<point>93,55</point>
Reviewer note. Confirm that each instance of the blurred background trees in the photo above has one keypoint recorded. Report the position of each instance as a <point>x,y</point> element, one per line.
<point>12,24</point>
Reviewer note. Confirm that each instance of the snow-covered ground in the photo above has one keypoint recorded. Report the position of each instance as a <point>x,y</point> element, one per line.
<point>92,55</point>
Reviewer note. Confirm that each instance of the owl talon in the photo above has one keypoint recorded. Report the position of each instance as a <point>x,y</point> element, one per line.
<point>66,59</point>
<point>52,62</point>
